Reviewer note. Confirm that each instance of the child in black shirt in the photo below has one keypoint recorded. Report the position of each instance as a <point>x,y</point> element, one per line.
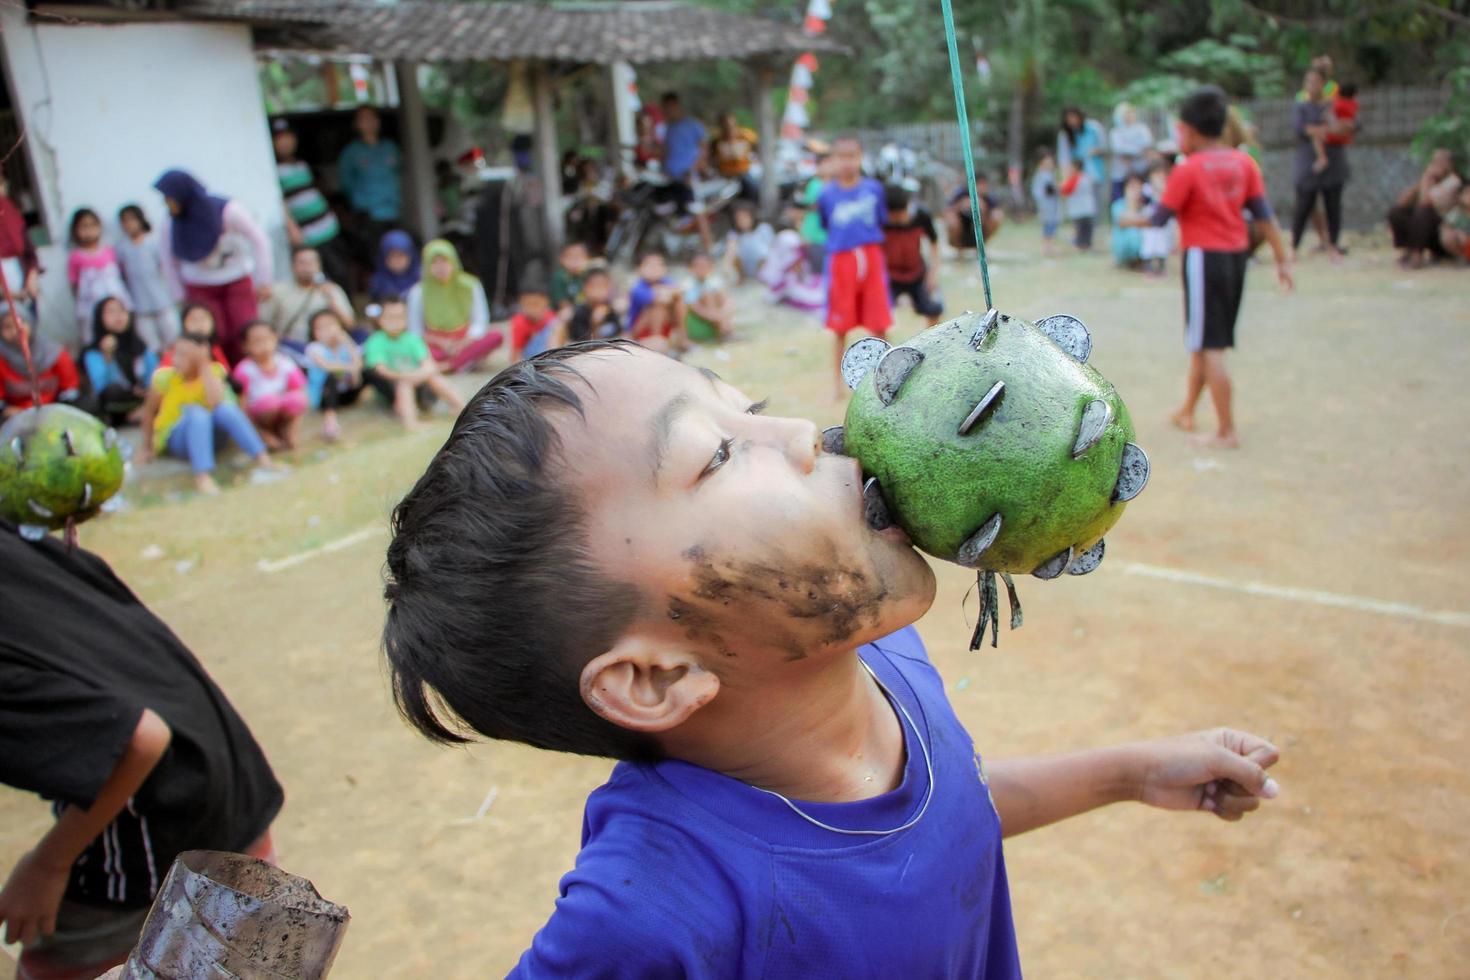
<point>104,712</point>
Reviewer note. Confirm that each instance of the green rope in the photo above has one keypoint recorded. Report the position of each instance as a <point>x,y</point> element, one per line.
<point>959,105</point>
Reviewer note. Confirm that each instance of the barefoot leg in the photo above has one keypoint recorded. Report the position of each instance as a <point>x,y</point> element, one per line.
<point>440,386</point>
<point>1217,379</point>
<point>405,406</point>
<point>1194,384</point>
<point>290,429</point>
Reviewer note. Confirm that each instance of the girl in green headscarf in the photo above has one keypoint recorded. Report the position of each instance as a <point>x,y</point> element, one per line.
<point>448,309</point>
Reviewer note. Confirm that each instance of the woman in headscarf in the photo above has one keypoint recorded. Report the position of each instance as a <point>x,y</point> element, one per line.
<point>448,309</point>
<point>398,267</point>
<point>56,374</point>
<point>217,255</point>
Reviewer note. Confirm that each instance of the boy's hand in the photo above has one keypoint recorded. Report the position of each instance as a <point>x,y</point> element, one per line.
<point>1222,771</point>
<point>1283,276</point>
<point>31,898</point>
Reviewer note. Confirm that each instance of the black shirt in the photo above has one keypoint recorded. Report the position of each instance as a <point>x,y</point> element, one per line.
<point>581,327</point>
<point>80,658</point>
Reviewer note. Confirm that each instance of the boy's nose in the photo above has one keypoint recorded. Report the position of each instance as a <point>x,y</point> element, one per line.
<point>804,444</point>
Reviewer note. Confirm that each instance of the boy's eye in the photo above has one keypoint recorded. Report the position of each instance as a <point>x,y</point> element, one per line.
<point>720,458</point>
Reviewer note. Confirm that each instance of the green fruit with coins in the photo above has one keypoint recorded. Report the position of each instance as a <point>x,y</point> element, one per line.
<point>994,445</point>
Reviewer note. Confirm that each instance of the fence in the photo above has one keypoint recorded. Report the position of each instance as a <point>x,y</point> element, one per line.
<point>1379,157</point>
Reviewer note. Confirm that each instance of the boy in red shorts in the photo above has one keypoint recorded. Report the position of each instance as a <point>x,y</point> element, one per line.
<point>852,208</point>
<point>1208,193</point>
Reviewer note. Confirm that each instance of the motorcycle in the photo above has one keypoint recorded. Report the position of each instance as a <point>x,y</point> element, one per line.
<point>649,217</point>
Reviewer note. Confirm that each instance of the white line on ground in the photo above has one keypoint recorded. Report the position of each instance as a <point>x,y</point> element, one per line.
<point>1315,597</point>
<point>290,561</point>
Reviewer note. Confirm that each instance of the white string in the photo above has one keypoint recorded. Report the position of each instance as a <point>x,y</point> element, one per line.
<point>928,766</point>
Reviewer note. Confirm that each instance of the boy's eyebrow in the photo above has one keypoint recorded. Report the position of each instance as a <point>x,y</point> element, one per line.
<point>663,429</point>
<point>709,374</point>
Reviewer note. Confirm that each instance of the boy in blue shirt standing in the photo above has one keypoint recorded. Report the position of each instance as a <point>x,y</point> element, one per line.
<point>852,207</point>
<point>796,796</point>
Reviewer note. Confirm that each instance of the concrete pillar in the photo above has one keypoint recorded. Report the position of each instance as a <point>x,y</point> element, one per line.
<point>548,156</point>
<point>765,121</point>
<point>624,127</point>
<point>418,165</point>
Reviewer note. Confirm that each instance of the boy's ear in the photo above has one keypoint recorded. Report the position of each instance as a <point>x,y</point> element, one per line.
<point>646,686</point>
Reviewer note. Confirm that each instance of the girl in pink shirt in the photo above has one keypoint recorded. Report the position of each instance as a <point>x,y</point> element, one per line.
<point>272,387</point>
<point>92,270</point>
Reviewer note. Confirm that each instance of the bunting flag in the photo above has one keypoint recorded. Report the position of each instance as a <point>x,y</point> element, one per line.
<point>798,92</point>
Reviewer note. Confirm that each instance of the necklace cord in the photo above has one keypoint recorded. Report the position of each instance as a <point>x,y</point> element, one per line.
<point>928,767</point>
<point>965,138</point>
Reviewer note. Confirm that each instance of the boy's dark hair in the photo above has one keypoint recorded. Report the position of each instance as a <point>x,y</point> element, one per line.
<point>1205,110</point>
<point>136,212</point>
<point>392,299</point>
<point>668,97</point>
<point>298,249</point>
<point>568,246</point>
<point>895,198</point>
<point>651,253</point>
<point>1043,153</point>
<point>493,605</point>
<point>596,272</point>
<point>1348,90</point>
<point>76,219</point>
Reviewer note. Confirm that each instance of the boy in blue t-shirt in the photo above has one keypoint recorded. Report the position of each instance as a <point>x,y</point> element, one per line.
<point>697,593</point>
<point>852,208</point>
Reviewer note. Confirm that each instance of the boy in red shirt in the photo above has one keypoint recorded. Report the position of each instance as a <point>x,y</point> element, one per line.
<point>1344,124</point>
<point>1207,193</point>
<point>533,324</point>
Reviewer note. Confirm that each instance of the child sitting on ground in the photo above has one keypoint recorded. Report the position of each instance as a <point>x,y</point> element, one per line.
<point>1048,200</point>
<point>851,208</point>
<point>748,243</point>
<point>594,318</point>
<point>1081,204</point>
<point>1454,228</point>
<point>709,314</point>
<point>907,236</point>
<point>190,403</point>
<point>118,363</point>
<point>1129,214</point>
<point>797,797</point>
<point>566,280</point>
<point>400,368</point>
<point>656,310</point>
<point>272,387</point>
<point>334,379</point>
<point>533,324</point>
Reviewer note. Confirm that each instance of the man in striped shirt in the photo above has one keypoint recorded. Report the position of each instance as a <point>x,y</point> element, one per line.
<point>310,221</point>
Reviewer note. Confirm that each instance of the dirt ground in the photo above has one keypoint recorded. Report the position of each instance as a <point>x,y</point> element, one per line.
<point>1334,618</point>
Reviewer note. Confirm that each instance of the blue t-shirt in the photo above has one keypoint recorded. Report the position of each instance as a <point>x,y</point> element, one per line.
<point>683,139</point>
<point>369,177</point>
<point>641,295</point>
<point>685,872</point>
<point>853,216</point>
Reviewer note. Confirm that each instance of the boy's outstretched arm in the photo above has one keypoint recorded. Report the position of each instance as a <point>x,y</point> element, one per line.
<point>32,894</point>
<point>1220,771</point>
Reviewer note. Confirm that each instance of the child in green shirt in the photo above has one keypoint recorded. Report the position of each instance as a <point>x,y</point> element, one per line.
<point>399,367</point>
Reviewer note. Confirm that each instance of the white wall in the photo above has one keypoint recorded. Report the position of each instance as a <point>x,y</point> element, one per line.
<point>109,108</point>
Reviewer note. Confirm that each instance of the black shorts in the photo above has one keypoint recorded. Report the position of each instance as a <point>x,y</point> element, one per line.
<point>925,303</point>
<point>1213,285</point>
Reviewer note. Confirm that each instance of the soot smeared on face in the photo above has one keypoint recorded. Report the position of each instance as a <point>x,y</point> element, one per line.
<point>837,601</point>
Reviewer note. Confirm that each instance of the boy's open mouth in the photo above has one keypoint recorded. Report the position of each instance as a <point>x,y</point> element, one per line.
<point>876,512</point>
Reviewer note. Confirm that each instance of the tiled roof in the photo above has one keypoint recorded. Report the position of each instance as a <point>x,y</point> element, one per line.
<point>637,31</point>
